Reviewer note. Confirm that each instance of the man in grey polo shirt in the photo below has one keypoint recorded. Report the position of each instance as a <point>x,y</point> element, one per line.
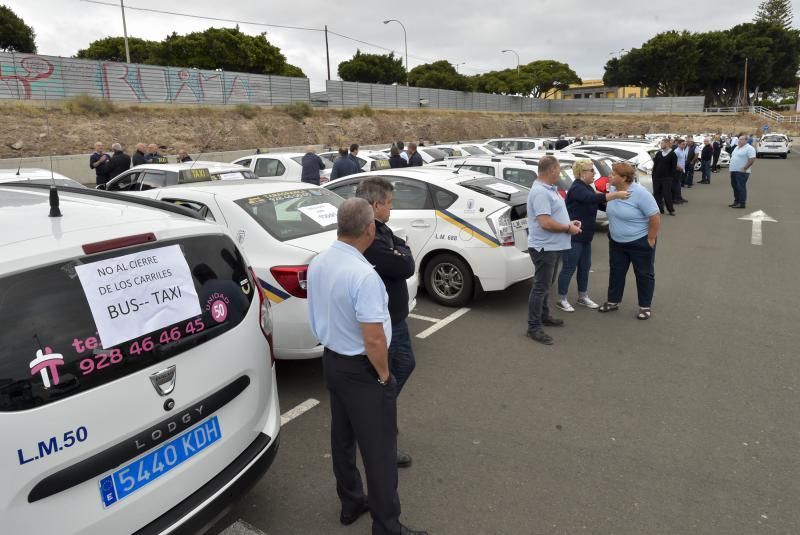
<point>549,233</point>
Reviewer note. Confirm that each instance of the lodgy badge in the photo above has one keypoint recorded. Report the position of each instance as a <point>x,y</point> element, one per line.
<point>154,436</point>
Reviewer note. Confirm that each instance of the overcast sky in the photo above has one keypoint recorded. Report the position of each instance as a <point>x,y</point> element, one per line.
<point>584,34</point>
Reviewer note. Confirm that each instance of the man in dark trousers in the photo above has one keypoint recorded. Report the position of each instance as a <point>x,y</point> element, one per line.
<point>139,157</point>
<point>414,159</point>
<point>717,151</point>
<point>349,314</point>
<point>119,162</point>
<point>707,155</point>
<point>312,166</point>
<point>344,165</point>
<point>394,262</point>
<point>99,162</point>
<point>664,171</point>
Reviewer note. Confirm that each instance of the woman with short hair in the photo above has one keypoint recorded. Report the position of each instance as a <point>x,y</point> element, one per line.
<point>582,205</point>
<point>633,226</point>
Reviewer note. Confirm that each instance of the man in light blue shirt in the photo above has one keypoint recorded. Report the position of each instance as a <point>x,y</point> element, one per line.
<point>348,311</point>
<point>742,159</point>
<point>682,153</point>
<point>549,233</point>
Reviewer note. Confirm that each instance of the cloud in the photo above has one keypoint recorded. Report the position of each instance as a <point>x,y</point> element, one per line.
<point>583,34</point>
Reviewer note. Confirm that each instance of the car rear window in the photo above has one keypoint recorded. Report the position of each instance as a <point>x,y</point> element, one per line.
<point>328,164</point>
<point>437,154</point>
<point>773,139</point>
<point>50,343</point>
<point>287,215</point>
<point>502,190</point>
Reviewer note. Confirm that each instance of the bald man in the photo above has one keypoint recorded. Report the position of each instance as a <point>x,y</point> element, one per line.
<point>139,156</point>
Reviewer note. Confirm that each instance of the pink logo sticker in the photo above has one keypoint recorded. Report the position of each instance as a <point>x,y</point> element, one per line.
<point>219,311</point>
<point>47,362</point>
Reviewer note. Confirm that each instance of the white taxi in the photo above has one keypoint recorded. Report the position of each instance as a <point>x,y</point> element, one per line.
<point>154,175</point>
<point>772,145</point>
<point>467,230</point>
<point>282,166</point>
<point>137,383</point>
<point>281,226</point>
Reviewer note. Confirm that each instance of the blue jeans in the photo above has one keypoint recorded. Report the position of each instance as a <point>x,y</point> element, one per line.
<point>688,175</point>
<point>706,170</point>
<point>578,257</point>
<point>401,354</point>
<point>643,257</point>
<point>739,185</point>
<point>544,266</point>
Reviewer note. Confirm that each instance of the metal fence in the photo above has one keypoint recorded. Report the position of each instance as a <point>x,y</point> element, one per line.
<point>757,110</point>
<point>35,77</point>
<point>351,94</point>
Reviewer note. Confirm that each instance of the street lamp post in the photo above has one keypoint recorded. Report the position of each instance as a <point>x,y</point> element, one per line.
<point>405,39</point>
<point>515,53</point>
<point>457,64</point>
<point>125,32</point>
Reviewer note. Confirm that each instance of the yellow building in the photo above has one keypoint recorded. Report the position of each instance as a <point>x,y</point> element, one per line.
<point>596,89</point>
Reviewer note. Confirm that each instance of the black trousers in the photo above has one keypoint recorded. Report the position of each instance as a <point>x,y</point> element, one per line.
<point>662,191</point>
<point>643,257</point>
<point>364,413</point>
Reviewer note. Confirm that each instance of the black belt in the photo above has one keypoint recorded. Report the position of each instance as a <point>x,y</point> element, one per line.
<point>333,353</point>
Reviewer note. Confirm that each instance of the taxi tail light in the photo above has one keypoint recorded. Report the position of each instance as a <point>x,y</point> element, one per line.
<point>293,279</point>
<point>264,315</point>
<point>118,243</point>
<point>500,223</point>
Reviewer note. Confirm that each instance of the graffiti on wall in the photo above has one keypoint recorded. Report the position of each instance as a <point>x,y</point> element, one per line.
<point>33,77</point>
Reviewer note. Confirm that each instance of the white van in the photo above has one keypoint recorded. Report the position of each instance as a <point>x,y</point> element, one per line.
<point>137,382</point>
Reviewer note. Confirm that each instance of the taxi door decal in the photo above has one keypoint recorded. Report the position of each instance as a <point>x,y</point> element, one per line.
<point>453,219</point>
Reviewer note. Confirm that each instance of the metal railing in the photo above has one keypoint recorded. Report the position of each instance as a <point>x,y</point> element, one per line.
<point>757,110</point>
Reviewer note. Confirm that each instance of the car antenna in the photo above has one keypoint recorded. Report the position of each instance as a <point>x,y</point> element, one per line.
<point>459,166</point>
<point>55,211</point>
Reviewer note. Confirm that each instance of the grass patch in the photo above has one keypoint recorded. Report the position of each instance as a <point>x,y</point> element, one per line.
<point>248,111</point>
<point>84,104</point>
<point>298,110</point>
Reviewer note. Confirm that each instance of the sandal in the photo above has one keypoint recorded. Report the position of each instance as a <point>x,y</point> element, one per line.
<point>644,313</point>
<point>608,307</point>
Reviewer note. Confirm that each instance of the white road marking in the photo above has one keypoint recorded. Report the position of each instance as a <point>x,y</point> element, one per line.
<point>240,527</point>
<point>423,318</point>
<point>291,414</point>
<point>757,217</point>
<point>442,323</point>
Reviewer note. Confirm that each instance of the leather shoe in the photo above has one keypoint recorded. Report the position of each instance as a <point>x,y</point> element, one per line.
<point>734,205</point>
<point>346,520</point>
<point>553,322</point>
<point>541,337</point>
<point>405,530</point>
<point>403,459</point>
<point>739,206</point>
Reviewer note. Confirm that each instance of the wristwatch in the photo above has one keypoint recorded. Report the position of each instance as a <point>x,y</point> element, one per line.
<point>382,382</point>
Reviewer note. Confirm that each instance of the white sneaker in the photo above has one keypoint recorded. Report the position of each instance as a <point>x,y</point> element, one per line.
<point>564,305</point>
<point>588,303</point>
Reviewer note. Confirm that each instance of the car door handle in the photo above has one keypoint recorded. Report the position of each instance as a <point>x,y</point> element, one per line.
<point>420,223</point>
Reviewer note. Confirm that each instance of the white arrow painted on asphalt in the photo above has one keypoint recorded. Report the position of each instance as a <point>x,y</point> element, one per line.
<point>757,217</point>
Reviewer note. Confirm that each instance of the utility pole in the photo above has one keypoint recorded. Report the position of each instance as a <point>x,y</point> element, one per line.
<point>125,32</point>
<point>746,95</point>
<point>327,52</point>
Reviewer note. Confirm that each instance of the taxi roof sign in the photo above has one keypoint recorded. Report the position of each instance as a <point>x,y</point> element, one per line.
<point>194,174</point>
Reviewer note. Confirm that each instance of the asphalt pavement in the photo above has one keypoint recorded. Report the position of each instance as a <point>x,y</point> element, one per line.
<point>686,423</point>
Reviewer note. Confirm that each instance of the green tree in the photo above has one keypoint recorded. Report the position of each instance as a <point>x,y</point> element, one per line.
<point>536,79</point>
<point>778,12</point>
<point>225,48</point>
<point>214,48</point>
<point>15,35</point>
<point>113,49</point>
<point>438,75</point>
<point>373,69</point>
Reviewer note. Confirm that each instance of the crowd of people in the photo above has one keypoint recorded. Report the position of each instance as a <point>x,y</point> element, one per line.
<point>107,166</point>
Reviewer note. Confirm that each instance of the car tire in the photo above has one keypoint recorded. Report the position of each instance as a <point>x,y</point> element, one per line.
<point>448,280</point>
<point>784,155</point>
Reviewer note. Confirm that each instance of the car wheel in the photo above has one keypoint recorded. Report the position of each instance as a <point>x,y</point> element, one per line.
<point>448,280</point>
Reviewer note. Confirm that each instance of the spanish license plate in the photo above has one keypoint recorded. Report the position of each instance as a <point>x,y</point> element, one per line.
<point>520,223</point>
<point>158,462</point>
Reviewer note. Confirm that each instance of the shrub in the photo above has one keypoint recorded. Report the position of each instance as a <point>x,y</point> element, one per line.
<point>365,111</point>
<point>248,111</point>
<point>346,113</point>
<point>84,104</point>
<point>298,110</point>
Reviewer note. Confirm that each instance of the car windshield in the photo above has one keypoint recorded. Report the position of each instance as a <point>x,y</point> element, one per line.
<point>603,167</point>
<point>437,154</point>
<point>287,215</point>
<point>493,149</point>
<point>52,324</point>
<point>328,164</point>
<point>469,149</point>
<point>233,175</point>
